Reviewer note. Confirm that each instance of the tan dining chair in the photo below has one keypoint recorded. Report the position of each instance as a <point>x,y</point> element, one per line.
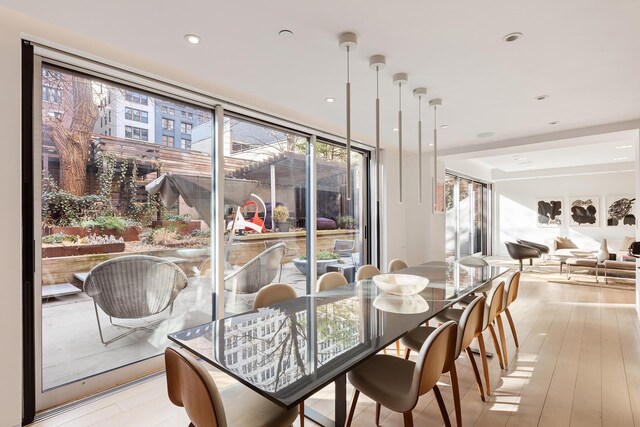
<point>493,306</point>
<point>273,294</point>
<point>470,326</point>
<point>330,280</point>
<point>367,272</point>
<point>190,386</point>
<point>397,384</point>
<point>510,295</point>
<point>397,264</point>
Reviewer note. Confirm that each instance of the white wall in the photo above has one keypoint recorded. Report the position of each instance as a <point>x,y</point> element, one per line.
<point>516,208</point>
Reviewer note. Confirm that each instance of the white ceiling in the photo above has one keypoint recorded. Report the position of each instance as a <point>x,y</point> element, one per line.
<point>584,54</point>
<point>616,149</point>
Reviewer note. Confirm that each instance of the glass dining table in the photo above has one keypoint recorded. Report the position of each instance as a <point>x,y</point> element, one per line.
<point>289,351</point>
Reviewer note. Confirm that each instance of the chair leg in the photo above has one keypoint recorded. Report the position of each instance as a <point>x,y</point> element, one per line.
<point>503,340</point>
<point>513,327</point>
<point>354,400</point>
<point>485,365</point>
<point>443,408</point>
<point>456,394</point>
<point>476,372</point>
<point>407,352</point>
<point>398,348</point>
<point>530,261</point>
<point>520,264</point>
<point>301,414</point>
<point>378,407</point>
<point>494,338</point>
<point>408,419</point>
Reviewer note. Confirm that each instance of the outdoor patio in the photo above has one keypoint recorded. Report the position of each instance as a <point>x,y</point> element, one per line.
<point>71,344</point>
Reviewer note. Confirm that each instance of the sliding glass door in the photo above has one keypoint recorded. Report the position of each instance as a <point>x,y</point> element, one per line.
<point>467,216</point>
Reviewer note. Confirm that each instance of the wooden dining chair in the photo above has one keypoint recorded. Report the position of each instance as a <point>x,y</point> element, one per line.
<point>367,272</point>
<point>330,280</point>
<point>190,386</point>
<point>470,327</point>
<point>493,306</point>
<point>397,384</point>
<point>273,294</point>
<point>397,264</point>
<point>510,295</point>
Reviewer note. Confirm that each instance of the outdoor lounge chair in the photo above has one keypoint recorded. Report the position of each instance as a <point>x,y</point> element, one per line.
<point>344,248</point>
<point>133,287</point>
<point>257,273</point>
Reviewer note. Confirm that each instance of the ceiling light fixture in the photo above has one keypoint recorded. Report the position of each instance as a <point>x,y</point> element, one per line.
<point>395,129</point>
<point>553,123</point>
<point>444,126</point>
<point>419,93</point>
<point>435,103</point>
<point>192,38</point>
<point>511,37</point>
<point>285,33</point>
<point>624,146</point>
<point>541,97</point>
<point>619,158</point>
<point>486,134</point>
<point>330,100</point>
<point>399,79</point>
<point>347,42</point>
<point>378,62</point>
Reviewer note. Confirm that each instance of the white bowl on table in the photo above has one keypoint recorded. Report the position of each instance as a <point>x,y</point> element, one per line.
<point>400,284</point>
<point>405,304</point>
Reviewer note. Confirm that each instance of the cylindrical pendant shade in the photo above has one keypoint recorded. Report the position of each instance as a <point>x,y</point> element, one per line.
<point>435,103</point>
<point>419,93</point>
<point>348,41</point>
<point>399,80</point>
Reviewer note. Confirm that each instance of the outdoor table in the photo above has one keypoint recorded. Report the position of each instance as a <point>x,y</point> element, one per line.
<point>289,351</point>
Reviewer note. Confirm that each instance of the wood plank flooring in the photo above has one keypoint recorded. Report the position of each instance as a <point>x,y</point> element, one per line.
<point>578,365</point>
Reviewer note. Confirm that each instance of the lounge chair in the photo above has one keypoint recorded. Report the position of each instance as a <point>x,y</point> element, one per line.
<point>257,273</point>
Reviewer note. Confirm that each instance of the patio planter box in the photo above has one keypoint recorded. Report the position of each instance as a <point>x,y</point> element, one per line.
<point>181,226</point>
<point>75,250</point>
<point>130,234</point>
<point>321,265</point>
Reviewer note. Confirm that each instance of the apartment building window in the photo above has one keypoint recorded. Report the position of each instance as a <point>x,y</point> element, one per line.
<point>51,94</point>
<point>167,124</point>
<point>199,118</point>
<point>164,110</point>
<point>110,116</point>
<point>167,140</point>
<point>136,98</point>
<point>138,134</point>
<point>185,144</point>
<point>136,115</point>
<point>172,111</point>
<point>183,114</point>
<point>186,128</point>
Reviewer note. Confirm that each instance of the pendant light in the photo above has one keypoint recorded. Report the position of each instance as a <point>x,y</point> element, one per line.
<point>435,103</point>
<point>348,42</point>
<point>399,80</point>
<point>419,93</point>
<point>377,63</point>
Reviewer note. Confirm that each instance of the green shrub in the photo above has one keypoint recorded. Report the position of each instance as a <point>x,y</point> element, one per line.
<point>175,217</point>
<point>110,222</point>
<point>347,222</point>
<point>323,256</point>
<point>58,238</point>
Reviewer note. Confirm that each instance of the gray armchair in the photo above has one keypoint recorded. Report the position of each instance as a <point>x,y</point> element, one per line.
<point>519,251</point>
<point>544,249</point>
<point>344,248</point>
<point>133,287</point>
<point>257,273</point>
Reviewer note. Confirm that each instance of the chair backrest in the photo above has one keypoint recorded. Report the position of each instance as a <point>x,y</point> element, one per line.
<point>473,261</point>
<point>397,264</point>
<point>273,294</point>
<point>344,247</point>
<point>258,272</point>
<point>270,243</point>
<point>437,350</point>
<point>511,292</point>
<point>190,386</point>
<point>493,305</point>
<point>367,272</point>
<point>471,324</point>
<point>330,280</point>
<point>136,286</point>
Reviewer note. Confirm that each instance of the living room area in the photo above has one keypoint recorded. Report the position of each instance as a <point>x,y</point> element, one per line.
<point>560,210</point>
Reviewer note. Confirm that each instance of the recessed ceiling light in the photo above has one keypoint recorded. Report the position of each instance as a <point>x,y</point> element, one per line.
<point>330,99</point>
<point>486,134</point>
<point>444,126</point>
<point>192,38</point>
<point>511,37</point>
<point>286,33</point>
<point>619,158</point>
<point>553,123</point>
<point>431,144</point>
<point>624,146</point>
<point>541,97</point>
<point>395,129</point>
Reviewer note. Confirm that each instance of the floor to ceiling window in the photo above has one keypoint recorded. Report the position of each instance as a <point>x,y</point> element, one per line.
<point>467,205</point>
<point>125,209</point>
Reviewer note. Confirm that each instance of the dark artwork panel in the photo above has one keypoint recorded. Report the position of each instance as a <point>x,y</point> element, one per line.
<point>621,211</point>
<point>549,213</point>
<point>584,212</point>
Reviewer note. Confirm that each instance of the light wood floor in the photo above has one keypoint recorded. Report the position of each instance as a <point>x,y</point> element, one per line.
<point>578,365</point>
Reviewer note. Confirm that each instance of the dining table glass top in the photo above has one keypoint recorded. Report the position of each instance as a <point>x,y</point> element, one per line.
<point>290,350</point>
